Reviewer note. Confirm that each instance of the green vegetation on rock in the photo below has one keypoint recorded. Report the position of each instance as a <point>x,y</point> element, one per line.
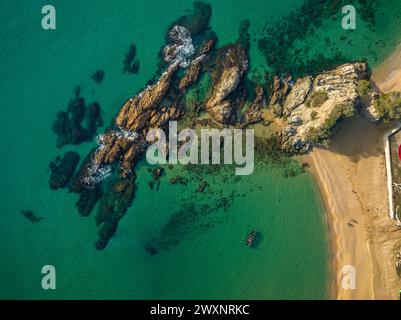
<point>339,112</point>
<point>388,106</point>
<point>363,87</point>
<point>316,99</point>
<point>313,115</point>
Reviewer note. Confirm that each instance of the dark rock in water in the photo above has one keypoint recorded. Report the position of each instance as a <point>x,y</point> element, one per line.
<point>191,218</point>
<point>88,199</point>
<point>243,35</point>
<point>62,128</point>
<point>131,64</point>
<point>68,125</point>
<point>77,90</point>
<point>199,20</point>
<point>98,76</point>
<point>76,108</point>
<point>106,232</point>
<point>30,216</point>
<point>202,186</point>
<point>113,206</point>
<point>77,184</point>
<point>178,180</point>
<point>156,174</point>
<point>151,249</point>
<point>68,130</point>
<point>62,170</point>
<point>93,118</point>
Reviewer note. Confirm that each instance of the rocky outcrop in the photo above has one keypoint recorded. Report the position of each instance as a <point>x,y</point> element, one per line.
<point>279,89</point>
<point>135,118</point>
<point>307,124</point>
<point>298,94</point>
<point>124,142</point>
<point>193,71</point>
<point>254,112</point>
<point>181,48</point>
<point>232,66</point>
<point>136,111</point>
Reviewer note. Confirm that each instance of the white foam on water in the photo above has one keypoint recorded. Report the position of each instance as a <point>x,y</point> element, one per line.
<point>182,47</point>
<point>96,173</point>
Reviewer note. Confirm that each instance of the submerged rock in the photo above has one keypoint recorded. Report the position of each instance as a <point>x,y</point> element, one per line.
<point>202,186</point>
<point>98,76</point>
<point>62,169</point>
<point>30,216</point>
<point>93,118</point>
<point>198,21</point>
<point>88,199</point>
<point>131,64</point>
<point>113,206</point>
<point>156,174</point>
<point>68,125</point>
<point>178,180</point>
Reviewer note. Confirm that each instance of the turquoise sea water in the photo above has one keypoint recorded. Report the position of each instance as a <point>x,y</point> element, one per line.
<point>39,70</point>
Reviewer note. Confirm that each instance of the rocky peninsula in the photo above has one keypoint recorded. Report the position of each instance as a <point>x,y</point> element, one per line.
<point>301,112</point>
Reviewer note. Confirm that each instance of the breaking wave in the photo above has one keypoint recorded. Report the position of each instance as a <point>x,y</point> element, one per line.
<point>126,134</point>
<point>181,49</point>
<point>96,173</point>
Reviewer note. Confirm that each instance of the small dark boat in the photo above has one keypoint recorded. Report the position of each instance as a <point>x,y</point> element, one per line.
<point>251,237</point>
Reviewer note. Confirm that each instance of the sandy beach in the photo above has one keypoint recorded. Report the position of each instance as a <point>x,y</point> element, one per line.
<point>352,180</point>
<point>388,75</point>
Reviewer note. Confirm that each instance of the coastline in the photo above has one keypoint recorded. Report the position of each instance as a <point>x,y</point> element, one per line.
<point>351,178</point>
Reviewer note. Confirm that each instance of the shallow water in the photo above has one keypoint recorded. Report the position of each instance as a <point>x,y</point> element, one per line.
<point>204,257</point>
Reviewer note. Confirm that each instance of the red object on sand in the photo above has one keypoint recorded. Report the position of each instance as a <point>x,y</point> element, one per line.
<point>399,152</point>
